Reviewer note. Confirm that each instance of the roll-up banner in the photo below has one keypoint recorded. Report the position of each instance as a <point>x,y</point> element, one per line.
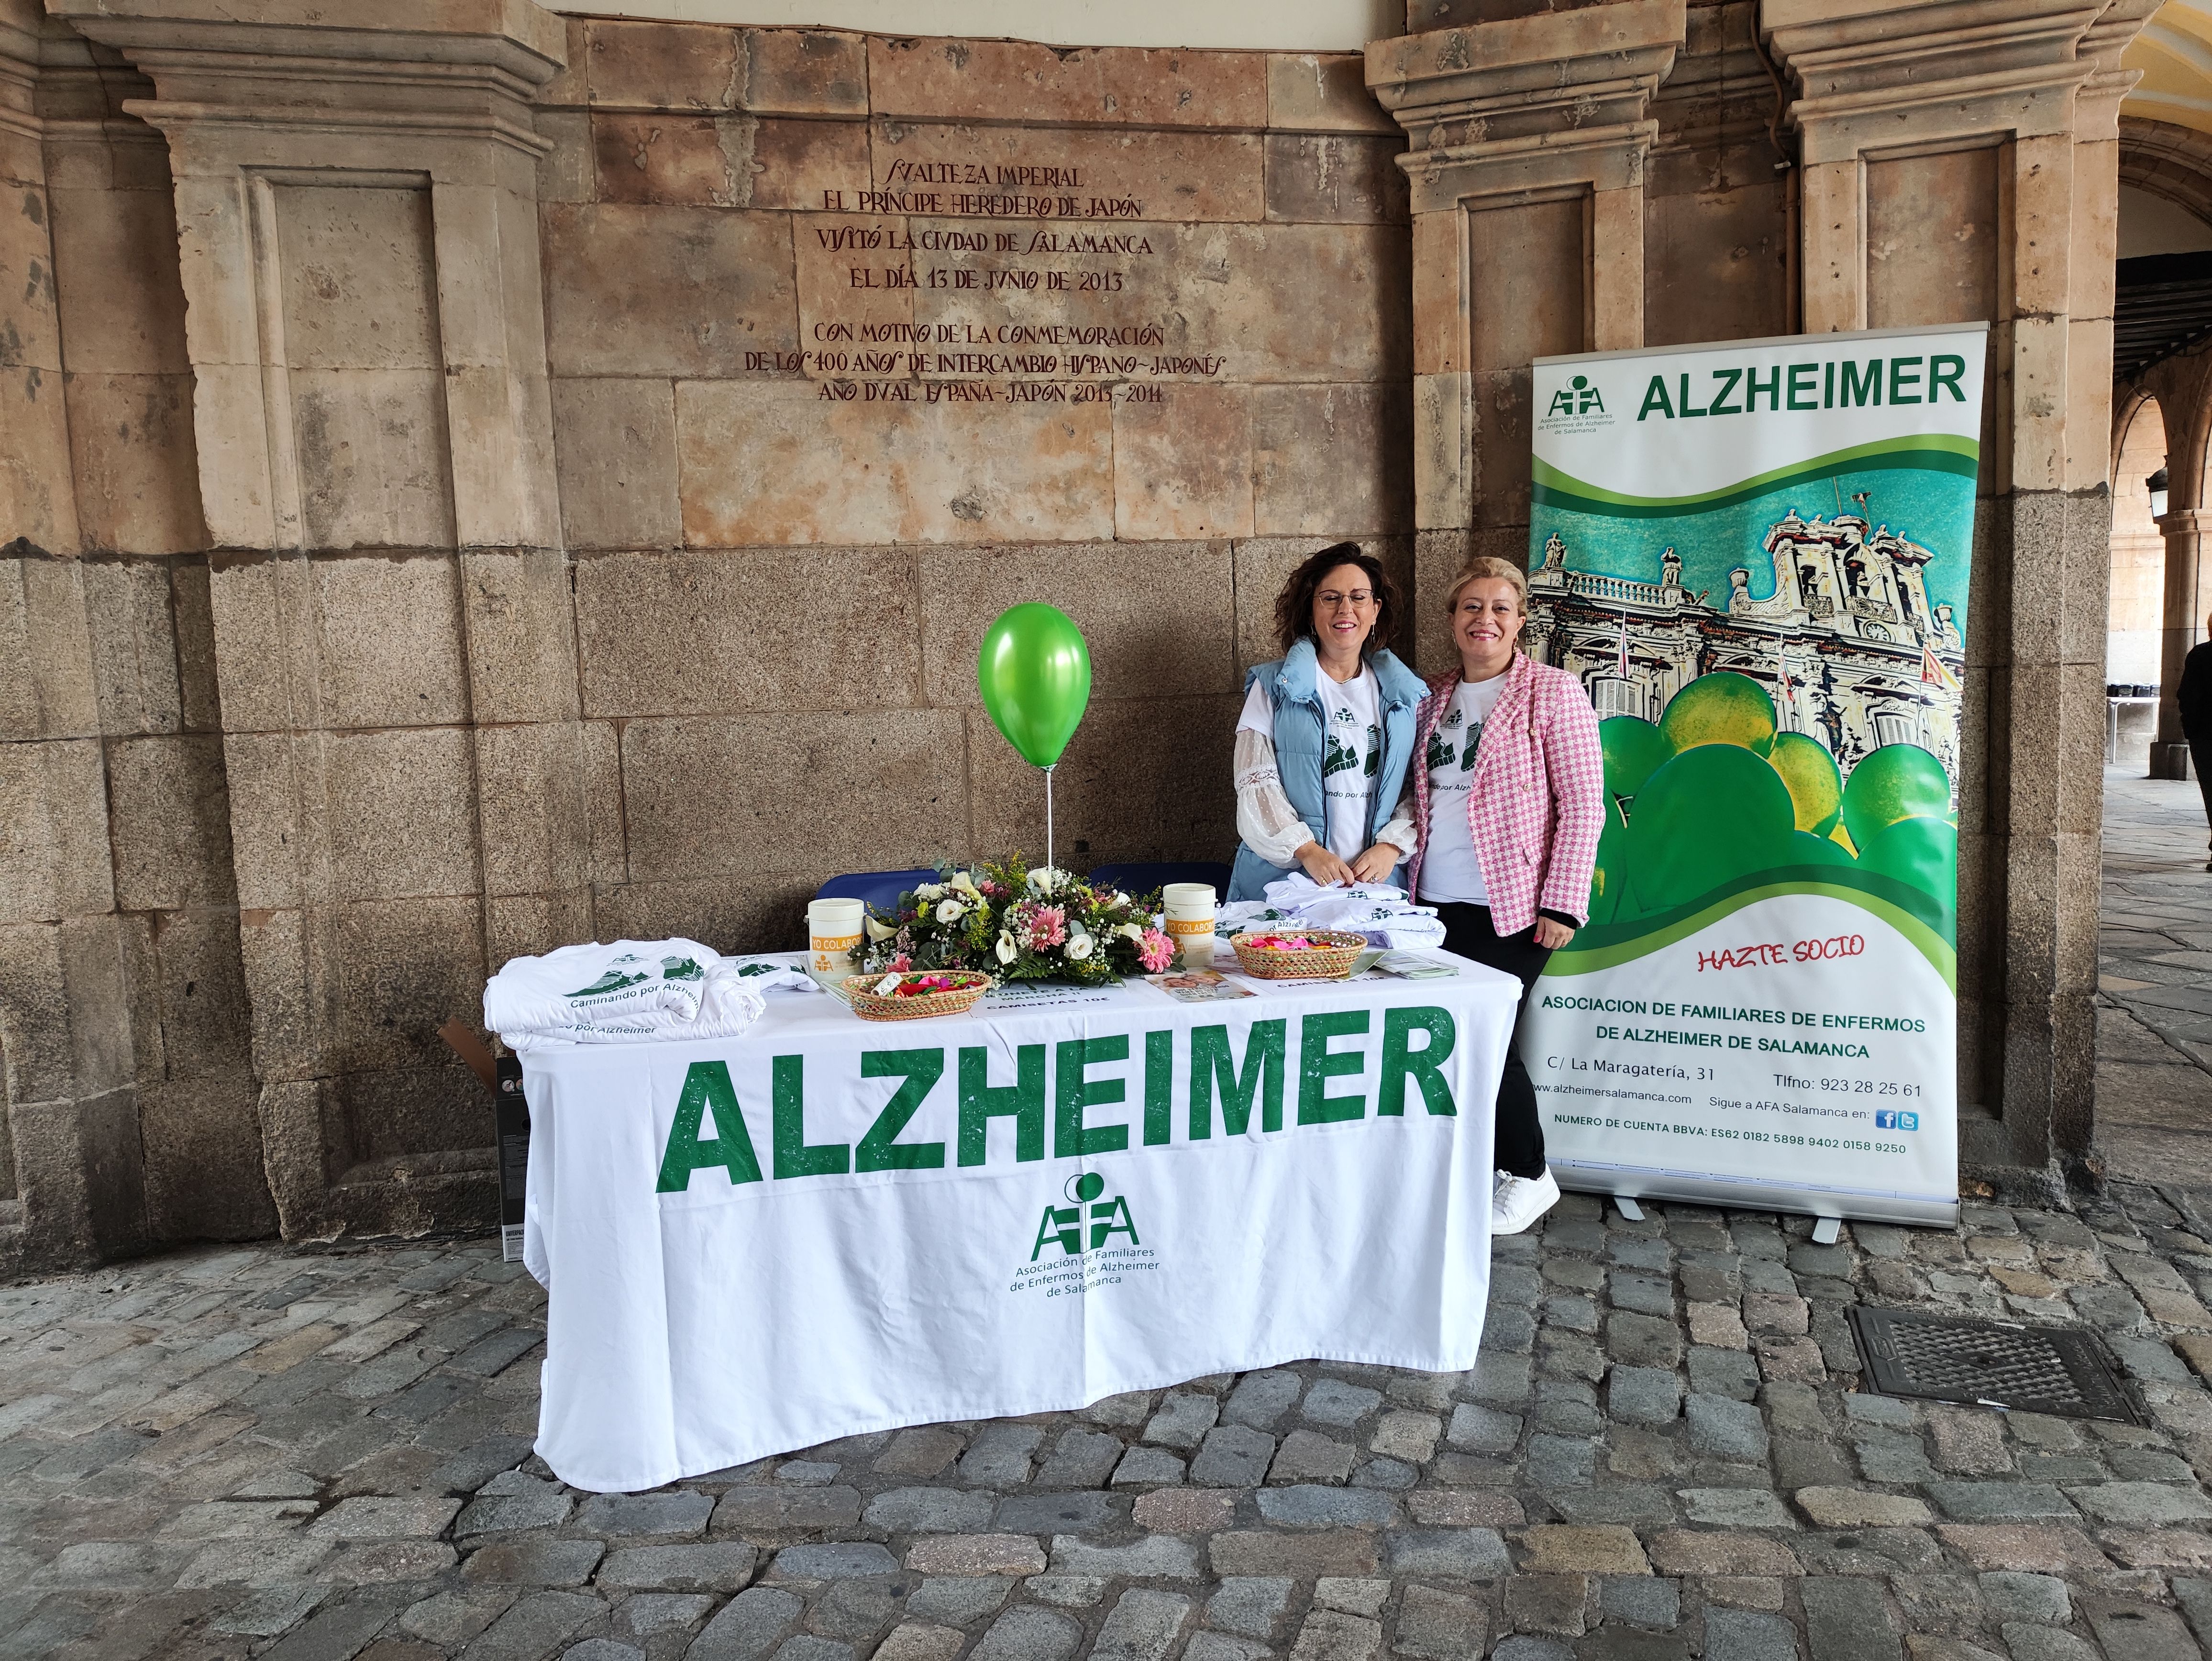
<point>1755,556</point>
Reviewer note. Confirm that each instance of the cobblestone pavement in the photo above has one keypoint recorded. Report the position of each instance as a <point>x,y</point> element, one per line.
<point>2155,982</point>
<point>314,1455</point>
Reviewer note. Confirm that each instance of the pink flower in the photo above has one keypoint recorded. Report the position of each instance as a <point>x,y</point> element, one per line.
<point>900,963</point>
<point>1048,926</point>
<point>1155,951</point>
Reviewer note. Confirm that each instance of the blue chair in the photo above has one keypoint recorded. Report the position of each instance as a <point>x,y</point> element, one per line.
<point>1142,878</point>
<point>878,890</point>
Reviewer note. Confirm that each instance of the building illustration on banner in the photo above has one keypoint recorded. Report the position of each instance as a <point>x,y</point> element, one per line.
<point>1848,644</point>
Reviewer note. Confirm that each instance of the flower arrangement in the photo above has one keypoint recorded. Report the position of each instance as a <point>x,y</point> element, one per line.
<point>1003,919</point>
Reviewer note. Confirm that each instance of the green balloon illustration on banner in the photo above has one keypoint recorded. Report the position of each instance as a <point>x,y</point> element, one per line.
<point>1609,875</point>
<point>1897,781</point>
<point>1923,853</point>
<point>1715,812</point>
<point>1633,749</point>
<point>1724,707</point>
<point>1806,849</point>
<point>1815,785</point>
<point>1034,672</point>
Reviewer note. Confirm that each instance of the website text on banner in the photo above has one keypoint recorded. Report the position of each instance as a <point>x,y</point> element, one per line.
<point>766,1243</point>
<point>1755,555</point>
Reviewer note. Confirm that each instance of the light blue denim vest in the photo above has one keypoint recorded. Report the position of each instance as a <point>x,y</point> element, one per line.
<point>1300,737</point>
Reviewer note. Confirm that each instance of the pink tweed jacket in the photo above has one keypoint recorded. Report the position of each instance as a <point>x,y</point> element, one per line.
<point>1538,804</point>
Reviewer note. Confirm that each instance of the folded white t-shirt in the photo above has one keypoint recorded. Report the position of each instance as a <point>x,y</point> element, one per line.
<point>630,992</point>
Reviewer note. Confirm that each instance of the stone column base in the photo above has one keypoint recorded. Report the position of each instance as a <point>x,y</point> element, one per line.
<point>2170,761</point>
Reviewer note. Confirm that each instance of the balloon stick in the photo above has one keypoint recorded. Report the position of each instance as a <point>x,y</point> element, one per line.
<point>1048,819</point>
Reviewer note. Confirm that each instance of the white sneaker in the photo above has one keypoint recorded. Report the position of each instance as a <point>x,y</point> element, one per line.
<point>1517,1202</point>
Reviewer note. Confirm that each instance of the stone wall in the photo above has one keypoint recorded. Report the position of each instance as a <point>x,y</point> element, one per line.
<point>766,317</point>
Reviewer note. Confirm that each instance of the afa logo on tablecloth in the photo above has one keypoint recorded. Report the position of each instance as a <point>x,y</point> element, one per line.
<point>1062,1226</point>
<point>1088,1242</point>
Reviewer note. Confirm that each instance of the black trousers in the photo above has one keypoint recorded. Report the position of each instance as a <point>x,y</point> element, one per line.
<point>2200,752</point>
<point>1520,1133</point>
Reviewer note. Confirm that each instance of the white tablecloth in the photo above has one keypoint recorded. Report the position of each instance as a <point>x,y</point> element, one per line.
<point>831,1225</point>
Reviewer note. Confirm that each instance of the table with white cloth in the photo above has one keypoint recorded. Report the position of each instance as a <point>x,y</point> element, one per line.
<point>830,1225</point>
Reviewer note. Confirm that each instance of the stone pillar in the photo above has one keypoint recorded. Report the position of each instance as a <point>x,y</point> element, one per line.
<point>2188,598</point>
<point>2183,387</point>
<point>1529,139</point>
<point>70,1180</point>
<point>1912,115</point>
<point>356,213</point>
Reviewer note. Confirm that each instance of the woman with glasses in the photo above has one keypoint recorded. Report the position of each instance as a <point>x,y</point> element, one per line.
<point>1509,801</point>
<point>1326,733</point>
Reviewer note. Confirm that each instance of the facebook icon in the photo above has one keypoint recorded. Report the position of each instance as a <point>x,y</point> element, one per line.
<point>1890,1118</point>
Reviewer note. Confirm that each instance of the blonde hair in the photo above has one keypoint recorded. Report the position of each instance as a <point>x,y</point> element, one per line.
<point>1487,565</point>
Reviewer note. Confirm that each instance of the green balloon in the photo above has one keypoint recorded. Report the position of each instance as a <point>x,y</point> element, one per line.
<point>1632,748</point>
<point>1814,784</point>
<point>1713,813</point>
<point>1035,674</point>
<point>1897,781</point>
<point>1723,707</point>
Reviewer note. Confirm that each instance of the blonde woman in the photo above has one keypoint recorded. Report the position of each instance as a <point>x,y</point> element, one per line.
<point>1509,790</point>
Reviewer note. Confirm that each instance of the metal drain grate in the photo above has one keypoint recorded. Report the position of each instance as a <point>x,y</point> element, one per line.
<point>2056,1370</point>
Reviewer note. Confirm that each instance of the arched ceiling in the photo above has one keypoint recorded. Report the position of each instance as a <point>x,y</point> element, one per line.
<point>2174,54</point>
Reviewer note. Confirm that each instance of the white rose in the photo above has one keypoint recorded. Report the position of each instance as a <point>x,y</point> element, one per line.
<point>1006,949</point>
<point>930,890</point>
<point>951,911</point>
<point>880,931</point>
<point>1079,947</point>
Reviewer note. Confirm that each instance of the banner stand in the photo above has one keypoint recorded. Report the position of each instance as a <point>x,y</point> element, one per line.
<point>1755,556</point>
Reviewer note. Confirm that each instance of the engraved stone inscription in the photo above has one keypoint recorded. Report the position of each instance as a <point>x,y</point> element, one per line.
<point>965,282</point>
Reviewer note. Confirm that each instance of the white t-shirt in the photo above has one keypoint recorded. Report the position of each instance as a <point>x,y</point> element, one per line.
<point>1352,714</point>
<point>1451,869</point>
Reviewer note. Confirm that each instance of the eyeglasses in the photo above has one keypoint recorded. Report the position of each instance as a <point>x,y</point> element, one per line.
<point>1359,598</point>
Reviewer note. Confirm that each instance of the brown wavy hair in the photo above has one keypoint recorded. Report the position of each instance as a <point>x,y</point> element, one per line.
<point>1294,605</point>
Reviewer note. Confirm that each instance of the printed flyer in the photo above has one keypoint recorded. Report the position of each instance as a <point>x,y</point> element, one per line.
<point>1755,555</point>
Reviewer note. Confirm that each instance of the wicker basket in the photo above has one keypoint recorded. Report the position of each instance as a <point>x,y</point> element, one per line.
<point>1331,960</point>
<point>873,1005</point>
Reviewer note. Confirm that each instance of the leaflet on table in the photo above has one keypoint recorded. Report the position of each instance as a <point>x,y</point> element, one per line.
<point>1200,986</point>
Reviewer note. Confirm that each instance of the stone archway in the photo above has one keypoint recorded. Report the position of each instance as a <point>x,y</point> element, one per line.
<point>2135,606</point>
